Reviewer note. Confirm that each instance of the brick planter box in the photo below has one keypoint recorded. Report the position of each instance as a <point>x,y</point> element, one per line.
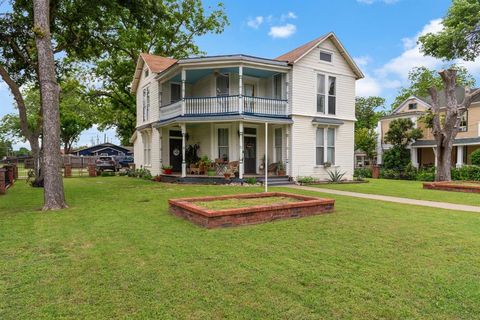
<point>469,187</point>
<point>307,206</point>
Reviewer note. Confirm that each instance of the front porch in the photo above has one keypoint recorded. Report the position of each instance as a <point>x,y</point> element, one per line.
<point>199,149</point>
<point>424,155</point>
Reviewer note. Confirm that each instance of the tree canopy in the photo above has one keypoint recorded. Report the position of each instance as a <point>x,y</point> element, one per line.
<point>460,37</point>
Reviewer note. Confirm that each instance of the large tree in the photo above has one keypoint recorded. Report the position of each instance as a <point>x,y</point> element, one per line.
<point>54,196</point>
<point>400,134</point>
<point>167,28</point>
<point>459,39</point>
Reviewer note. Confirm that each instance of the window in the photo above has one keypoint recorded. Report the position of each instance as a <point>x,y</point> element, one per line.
<point>175,92</point>
<point>146,103</point>
<point>322,90</point>
<point>321,93</point>
<point>325,146</point>
<point>412,106</point>
<point>222,85</point>
<point>278,144</point>
<point>325,56</point>
<point>320,150</point>
<point>146,149</point>
<point>223,144</point>
<point>277,86</point>
<point>146,73</point>
<point>464,122</point>
<point>332,100</point>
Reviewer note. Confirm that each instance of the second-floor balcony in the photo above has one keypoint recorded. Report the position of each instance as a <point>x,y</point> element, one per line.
<point>204,106</point>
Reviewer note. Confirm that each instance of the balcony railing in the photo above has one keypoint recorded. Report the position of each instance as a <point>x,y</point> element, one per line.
<point>225,105</point>
<point>264,106</point>
<point>211,105</point>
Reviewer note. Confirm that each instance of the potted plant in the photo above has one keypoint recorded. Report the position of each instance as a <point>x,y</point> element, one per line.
<point>280,169</point>
<point>327,164</point>
<point>227,174</point>
<point>211,171</point>
<point>167,169</point>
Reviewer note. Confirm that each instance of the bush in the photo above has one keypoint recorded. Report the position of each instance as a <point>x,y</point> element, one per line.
<point>107,174</point>
<point>468,173</point>
<point>140,173</point>
<point>362,173</point>
<point>335,176</point>
<point>389,174</point>
<point>396,158</point>
<point>410,172</point>
<point>251,180</point>
<point>426,174</point>
<point>475,157</point>
<point>306,180</point>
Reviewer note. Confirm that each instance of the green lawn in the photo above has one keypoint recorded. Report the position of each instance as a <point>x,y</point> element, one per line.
<point>406,189</point>
<point>118,253</point>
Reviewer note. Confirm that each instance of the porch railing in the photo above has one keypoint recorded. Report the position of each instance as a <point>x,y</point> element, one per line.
<point>265,106</point>
<point>211,105</point>
<point>225,105</point>
<point>171,110</point>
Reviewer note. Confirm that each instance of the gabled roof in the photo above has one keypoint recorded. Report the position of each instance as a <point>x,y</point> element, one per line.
<point>421,100</point>
<point>296,54</point>
<point>156,64</point>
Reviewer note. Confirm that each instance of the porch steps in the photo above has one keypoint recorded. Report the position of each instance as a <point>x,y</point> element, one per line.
<point>277,181</point>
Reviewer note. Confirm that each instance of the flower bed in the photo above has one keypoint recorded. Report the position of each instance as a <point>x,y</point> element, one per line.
<point>223,215</point>
<point>471,187</point>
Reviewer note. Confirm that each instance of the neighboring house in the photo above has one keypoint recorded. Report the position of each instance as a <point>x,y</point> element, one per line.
<point>109,149</point>
<point>304,100</point>
<point>422,151</point>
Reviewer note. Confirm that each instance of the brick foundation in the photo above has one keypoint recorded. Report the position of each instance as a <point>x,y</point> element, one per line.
<point>450,186</point>
<point>186,208</point>
<point>67,171</point>
<point>3,186</point>
<point>92,170</point>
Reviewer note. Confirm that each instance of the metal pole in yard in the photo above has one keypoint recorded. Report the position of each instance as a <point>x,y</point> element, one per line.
<point>266,157</point>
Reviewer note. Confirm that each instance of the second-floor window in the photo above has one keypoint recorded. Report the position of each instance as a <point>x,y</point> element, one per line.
<point>175,92</point>
<point>277,86</point>
<point>325,56</point>
<point>326,94</point>
<point>412,106</point>
<point>464,122</point>
<point>146,103</point>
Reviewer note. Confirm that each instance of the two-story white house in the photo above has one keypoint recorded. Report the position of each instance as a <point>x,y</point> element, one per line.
<point>298,108</point>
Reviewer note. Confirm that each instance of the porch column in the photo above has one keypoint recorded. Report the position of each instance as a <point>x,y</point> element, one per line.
<point>266,157</point>
<point>184,163</point>
<point>414,156</point>
<point>240,89</point>
<point>287,149</point>
<point>160,150</point>
<point>436,156</point>
<point>184,79</point>
<point>287,94</point>
<point>240,137</point>
<point>460,150</point>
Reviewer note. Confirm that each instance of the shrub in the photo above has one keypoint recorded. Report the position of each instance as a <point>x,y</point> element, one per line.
<point>410,172</point>
<point>389,174</point>
<point>475,157</point>
<point>306,180</point>
<point>426,174</point>
<point>140,173</point>
<point>362,173</point>
<point>396,158</point>
<point>107,174</point>
<point>251,180</point>
<point>470,173</point>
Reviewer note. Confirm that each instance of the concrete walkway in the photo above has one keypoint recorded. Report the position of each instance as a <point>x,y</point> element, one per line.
<point>424,203</point>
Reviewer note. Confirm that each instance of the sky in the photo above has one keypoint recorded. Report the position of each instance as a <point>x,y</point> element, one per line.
<point>380,35</point>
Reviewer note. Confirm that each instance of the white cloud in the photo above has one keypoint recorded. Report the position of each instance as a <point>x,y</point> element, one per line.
<point>368,86</point>
<point>374,1</point>
<point>362,61</point>
<point>255,22</point>
<point>289,15</point>
<point>284,31</point>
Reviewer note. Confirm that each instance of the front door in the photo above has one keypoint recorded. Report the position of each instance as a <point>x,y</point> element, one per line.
<point>250,156</point>
<point>176,154</point>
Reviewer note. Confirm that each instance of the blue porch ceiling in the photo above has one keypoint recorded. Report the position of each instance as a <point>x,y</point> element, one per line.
<point>195,75</point>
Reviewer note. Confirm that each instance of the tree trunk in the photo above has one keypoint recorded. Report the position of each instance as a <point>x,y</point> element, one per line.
<point>444,163</point>
<point>37,162</point>
<point>54,197</point>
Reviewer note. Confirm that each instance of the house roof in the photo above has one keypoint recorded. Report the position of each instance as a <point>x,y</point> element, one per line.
<point>103,146</point>
<point>298,53</point>
<point>456,142</point>
<point>156,64</point>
